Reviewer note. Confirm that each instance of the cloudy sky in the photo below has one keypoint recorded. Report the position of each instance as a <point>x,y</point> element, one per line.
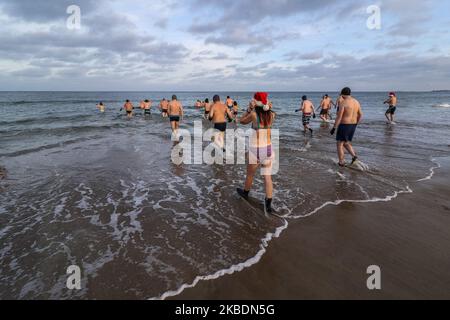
<point>283,45</point>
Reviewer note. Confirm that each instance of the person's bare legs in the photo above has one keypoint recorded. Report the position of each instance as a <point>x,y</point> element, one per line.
<point>388,117</point>
<point>348,146</point>
<point>219,139</point>
<point>251,171</point>
<point>269,185</point>
<point>341,154</point>
<point>173,125</point>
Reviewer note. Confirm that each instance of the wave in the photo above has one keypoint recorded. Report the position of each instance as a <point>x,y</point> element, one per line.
<point>442,105</point>
<point>57,131</point>
<point>50,119</point>
<point>47,147</point>
<point>24,102</point>
<point>432,169</point>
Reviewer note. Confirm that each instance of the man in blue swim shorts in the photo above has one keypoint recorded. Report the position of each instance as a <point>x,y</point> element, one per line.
<point>348,118</point>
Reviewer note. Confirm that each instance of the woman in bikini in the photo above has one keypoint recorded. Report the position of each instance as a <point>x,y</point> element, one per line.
<point>261,153</point>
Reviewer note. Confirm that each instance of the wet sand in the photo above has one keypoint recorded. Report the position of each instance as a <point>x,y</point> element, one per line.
<point>326,256</point>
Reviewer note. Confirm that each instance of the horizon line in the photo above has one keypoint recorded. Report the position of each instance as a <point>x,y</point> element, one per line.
<point>223,91</point>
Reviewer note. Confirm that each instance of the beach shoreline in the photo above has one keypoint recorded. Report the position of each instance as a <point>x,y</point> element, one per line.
<point>326,255</point>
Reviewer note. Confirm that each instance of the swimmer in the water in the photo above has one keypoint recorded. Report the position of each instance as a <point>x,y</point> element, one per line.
<point>348,118</point>
<point>198,104</point>
<point>325,106</point>
<point>128,106</point>
<point>207,107</point>
<point>229,102</point>
<point>164,107</point>
<point>101,107</point>
<point>392,102</point>
<point>147,107</point>
<point>218,114</point>
<point>176,114</point>
<point>307,109</point>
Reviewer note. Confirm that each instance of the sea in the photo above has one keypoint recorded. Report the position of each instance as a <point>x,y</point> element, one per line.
<point>100,192</point>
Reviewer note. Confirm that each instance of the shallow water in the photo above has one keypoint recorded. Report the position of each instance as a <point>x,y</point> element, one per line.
<point>100,191</point>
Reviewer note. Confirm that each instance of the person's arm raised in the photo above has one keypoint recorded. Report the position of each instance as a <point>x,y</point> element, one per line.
<point>246,118</point>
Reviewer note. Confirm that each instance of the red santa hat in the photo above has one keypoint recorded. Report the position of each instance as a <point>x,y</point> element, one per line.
<point>392,94</point>
<point>261,99</point>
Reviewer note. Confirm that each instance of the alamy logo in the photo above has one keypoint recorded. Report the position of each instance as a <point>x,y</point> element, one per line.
<point>374,21</point>
<point>374,280</point>
<point>228,148</point>
<point>74,279</point>
<point>73,22</point>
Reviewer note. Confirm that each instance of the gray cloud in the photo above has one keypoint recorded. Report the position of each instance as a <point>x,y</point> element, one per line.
<point>399,71</point>
<point>412,16</point>
<point>111,48</point>
<point>44,10</point>
<point>254,12</point>
<point>107,45</point>
<point>295,55</point>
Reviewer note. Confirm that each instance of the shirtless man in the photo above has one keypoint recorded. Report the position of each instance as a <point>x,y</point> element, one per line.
<point>101,107</point>
<point>229,103</point>
<point>198,104</point>
<point>348,117</point>
<point>392,102</point>
<point>176,114</point>
<point>235,109</point>
<point>325,106</point>
<point>207,107</point>
<point>128,106</point>
<point>164,107</point>
<point>146,106</point>
<point>218,114</point>
<point>307,109</point>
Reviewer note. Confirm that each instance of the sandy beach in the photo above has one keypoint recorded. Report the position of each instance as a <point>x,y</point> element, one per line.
<point>325,256</point>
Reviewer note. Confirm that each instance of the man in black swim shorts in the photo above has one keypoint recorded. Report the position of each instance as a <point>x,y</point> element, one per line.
<point>222,127</point>
<point>392,102</point>
<point>218,115</point>
<point>174,119</point>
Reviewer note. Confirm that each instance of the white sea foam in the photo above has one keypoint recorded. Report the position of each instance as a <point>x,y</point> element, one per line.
<point>432,169</point>
<point>338,202</point>
<point>235,268</point>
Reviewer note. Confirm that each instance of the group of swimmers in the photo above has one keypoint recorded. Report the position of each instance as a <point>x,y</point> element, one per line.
<point>261,116</point>
<point>326,106</point>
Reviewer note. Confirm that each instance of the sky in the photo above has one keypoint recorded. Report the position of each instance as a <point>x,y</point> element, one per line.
<point>224,45</point>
